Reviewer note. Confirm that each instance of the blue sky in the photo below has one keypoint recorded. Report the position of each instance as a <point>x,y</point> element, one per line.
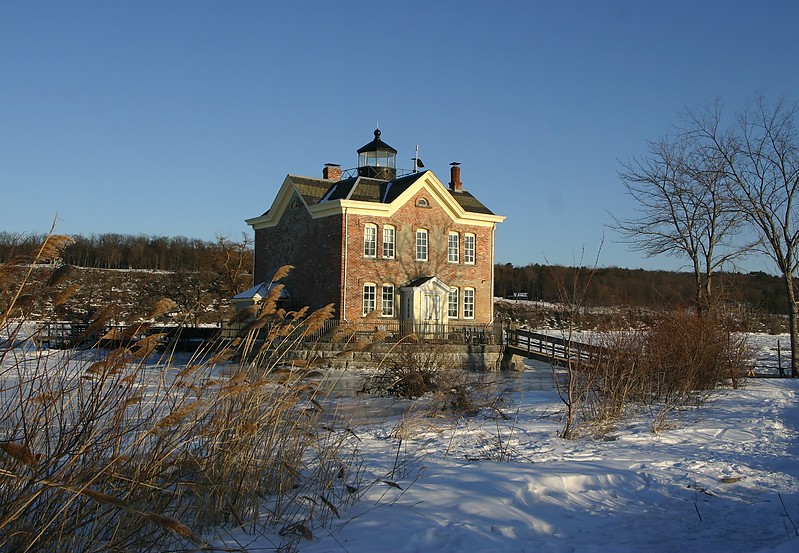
<point>184,117</point>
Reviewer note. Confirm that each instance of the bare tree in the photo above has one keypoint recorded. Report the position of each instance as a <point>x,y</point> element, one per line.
<point>579,381</point>
<point>233,263</point>
<point>682,209</point>
<point>760,152</point>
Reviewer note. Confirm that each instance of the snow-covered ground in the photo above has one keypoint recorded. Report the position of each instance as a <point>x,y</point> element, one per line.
<point>722,478</point>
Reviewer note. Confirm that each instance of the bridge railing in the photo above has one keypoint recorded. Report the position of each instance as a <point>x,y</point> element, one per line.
<point>553,348</point>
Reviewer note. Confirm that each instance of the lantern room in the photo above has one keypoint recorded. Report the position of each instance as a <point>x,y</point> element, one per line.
<point>377,160</point>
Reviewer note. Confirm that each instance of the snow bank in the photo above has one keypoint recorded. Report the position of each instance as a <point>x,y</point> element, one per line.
<point>716,481</point>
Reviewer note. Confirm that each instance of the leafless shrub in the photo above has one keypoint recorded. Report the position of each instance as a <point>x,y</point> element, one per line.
<point>675,364</point>
<point>689,355</point>
<point>412,370</point>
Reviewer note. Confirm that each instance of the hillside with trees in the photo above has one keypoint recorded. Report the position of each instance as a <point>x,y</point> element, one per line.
<point>614,286</point>
<point>118,251</point>
<point>123,273</point>
<point>201,277</point>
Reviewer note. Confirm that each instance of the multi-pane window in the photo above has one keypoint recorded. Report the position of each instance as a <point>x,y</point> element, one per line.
<point>369,297</point>
<point>389,237</point>
<point>388,300</point>
<point>468,248</point>
<point>421,245</point>
<point>468,303</point>
<point>452,304</point>
<point>453,247</point>
<point>370,241</point>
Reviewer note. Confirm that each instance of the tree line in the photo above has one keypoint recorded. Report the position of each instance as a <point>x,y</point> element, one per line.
<point>636,287</point>
<point>120,251</point>
<point>609,286</point>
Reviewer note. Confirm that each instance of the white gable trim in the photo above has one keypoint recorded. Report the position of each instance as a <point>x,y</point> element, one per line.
<point>271,217</point>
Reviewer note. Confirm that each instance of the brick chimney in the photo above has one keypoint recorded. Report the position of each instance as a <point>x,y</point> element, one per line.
<point>332,171</point>
<point>455,177</point>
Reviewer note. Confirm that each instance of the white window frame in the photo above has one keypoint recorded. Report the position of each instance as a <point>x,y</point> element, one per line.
<point>387,300</point>
<point>369,298</point>
<point>421,244</point>
<point>389,241</point>
<point>452,303</point>
<point>370,240</point>
<point>468,303</point>
<point>469,249</point>
<point>453,247</point>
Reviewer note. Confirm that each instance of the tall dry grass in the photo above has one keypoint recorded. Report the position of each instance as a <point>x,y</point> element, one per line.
<point>135,449</point>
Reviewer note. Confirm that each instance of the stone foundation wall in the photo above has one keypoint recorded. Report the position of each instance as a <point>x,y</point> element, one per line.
<point>471,357</point>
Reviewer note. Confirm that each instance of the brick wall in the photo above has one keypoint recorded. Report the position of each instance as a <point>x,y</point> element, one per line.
<point>312,246</point>
<point>317,251</point>
<point>404,267</point>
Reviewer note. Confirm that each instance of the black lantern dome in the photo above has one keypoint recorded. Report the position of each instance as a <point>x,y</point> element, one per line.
<point>377,160</point>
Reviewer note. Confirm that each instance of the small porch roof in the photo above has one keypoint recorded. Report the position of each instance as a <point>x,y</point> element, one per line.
<point>259,292</point>
<point>427,282</point>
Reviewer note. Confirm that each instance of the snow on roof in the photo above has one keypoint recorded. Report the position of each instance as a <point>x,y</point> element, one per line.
<point>259,292</point>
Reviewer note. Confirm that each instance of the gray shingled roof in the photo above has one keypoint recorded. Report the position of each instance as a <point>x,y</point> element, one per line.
<point>398,186</point>
<point>469,202</point>
<point>368,190</point>
<point>312,190</point>
<point>340,190</point>
<point>364,189</point>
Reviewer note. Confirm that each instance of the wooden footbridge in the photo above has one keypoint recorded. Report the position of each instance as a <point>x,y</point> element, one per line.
<point>67,334</point>
<point>559,351</point>
<point>554,350</point>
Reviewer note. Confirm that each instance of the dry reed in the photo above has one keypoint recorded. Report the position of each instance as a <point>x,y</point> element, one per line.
<point>126,450</point>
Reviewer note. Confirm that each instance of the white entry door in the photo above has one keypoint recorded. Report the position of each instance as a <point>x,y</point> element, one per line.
<point>432,308</point>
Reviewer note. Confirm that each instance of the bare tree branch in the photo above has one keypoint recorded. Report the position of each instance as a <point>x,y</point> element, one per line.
<point>683,208</point>
<point>760,157</point>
